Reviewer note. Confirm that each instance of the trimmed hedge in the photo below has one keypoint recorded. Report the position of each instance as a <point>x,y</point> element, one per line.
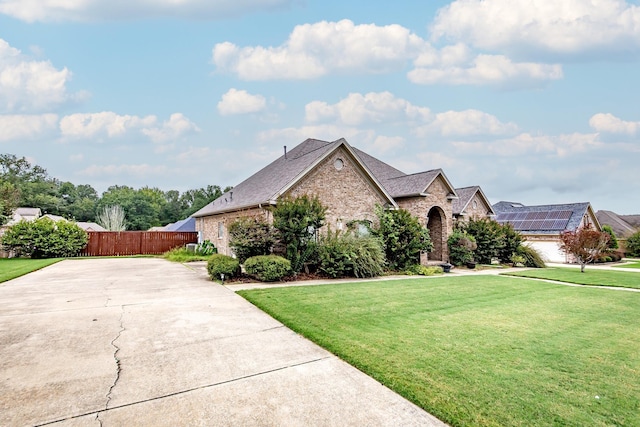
<point>45,238</point>
<point>267,268</point>
<point>219,264</point>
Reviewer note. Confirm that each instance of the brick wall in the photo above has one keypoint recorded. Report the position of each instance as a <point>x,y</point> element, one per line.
<point>420,207</point>
<point>208,226</point>
<point>347,193</point>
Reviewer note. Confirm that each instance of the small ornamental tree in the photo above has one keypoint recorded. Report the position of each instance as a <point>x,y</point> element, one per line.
<point>613,240</point>
<point>249,237</point>
<point>297,221</point>
<point>633,245</point>
<point>585,245</point>
<point>402,236</point>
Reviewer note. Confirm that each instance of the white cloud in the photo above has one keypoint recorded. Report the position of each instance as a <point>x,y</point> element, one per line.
<point>106,123</point>
<point>466,123</point>
<point>454,66</point>
<point>558,27</point>
<point>100,10</point>
<point>240,102</point>
<point>21,127</point>
<point>609,123</point>
<point>314,50</point>
<point>526,145</point>
<point>27,85</point>
<point>373,107</point>
<point>112,125</point>
<point>134,170</point>
<point>174,128</point>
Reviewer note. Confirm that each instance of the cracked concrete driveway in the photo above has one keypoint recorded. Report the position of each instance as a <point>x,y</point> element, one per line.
<point>143,341</point>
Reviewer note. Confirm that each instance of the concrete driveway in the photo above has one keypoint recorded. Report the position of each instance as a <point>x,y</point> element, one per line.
<point>146,342</point>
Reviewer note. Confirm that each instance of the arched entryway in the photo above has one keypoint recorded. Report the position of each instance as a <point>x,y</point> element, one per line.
<point>436,223</point>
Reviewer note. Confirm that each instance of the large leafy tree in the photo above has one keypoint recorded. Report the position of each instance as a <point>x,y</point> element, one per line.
<point>297,221</point>
<point>9,199</point>
<point>585,244</point>
<point>402,236</point>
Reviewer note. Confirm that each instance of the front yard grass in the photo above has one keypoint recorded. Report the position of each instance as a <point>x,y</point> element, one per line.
<point>481,350</point>
<point>591,276</point>
<point>10,268</point>
<point>635,264</point>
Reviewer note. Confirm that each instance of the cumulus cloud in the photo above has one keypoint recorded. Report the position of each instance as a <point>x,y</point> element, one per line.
<point>135,170</point>
<point>240,102</point>
<point>314,50</point>
<point>466,123</point>
<point>609,123</point>
<point>22,127</point>
<point>27,85</point>
<point>558,27</point>
<point>100,10</point>
<point>456,66</point>
<point>111,125</point>
<point>106,123</point>
<point>373,107</point>
<point>174,128</point>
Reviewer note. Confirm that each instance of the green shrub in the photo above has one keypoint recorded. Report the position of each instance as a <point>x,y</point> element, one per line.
<point>461,247</point>
<point>267,268</point>
<point>403,237</point>
<point>249,237</point>
<point>633,245</point>
<point>347,255</point>
<point>531,257</point>
<point>613,240</point>
<point>219,264</point>
<point>206,248</point>
<point>44,238</point>
<point>423,270</point>
<point>182,254</point>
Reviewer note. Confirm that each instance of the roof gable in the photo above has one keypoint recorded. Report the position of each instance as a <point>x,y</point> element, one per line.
<point>269,183</point>
<point>465,195</point>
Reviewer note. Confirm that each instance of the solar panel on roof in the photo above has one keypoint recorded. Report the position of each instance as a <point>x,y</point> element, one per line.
<point>565,214</point>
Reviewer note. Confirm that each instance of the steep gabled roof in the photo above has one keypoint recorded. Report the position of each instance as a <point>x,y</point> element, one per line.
<point>465,195</point>
<point>543,219</point>
<point>265,186</point>
<point>187,224</point>
<point>620,227</point>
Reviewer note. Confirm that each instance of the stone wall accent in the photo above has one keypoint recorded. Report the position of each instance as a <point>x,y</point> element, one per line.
<point>347,193</point>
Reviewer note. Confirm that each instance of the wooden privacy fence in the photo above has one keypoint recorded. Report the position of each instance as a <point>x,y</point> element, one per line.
<point>117,243</point>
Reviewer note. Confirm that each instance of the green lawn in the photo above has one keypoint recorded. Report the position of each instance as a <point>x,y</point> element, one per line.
<point>481,350</point>
<point>591,276</point>
<point>635,264</point>
<point>10,268</point>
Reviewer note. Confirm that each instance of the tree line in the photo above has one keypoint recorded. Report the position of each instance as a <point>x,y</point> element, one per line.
<point>25,185</point>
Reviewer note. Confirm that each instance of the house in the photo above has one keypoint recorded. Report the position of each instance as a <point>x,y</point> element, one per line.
<point>86,226</point>
<point>349,183</point>
<point>471,203</point>
<point>542,225</point>
<point>187,224</point>
<point>27,214</point>
<point>620,224</point>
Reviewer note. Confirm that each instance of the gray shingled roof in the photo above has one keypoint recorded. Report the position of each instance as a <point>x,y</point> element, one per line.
<point>575,213</point>
<point>266,185</point>
<point>620,227</point>
<point>465,195</point>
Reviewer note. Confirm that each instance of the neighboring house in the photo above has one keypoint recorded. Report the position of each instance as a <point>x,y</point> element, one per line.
<point>86,226</point>
<point>187,224</point>
<point>27,214</point>
<point>542,225</point>
<point>621,227</point>
<point>471,203</point>
<point>349,183</point>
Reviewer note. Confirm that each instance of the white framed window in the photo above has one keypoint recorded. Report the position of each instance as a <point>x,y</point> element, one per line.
<point>220,230</point>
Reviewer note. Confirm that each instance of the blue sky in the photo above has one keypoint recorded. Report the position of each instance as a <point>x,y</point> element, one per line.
<point>536,101</point>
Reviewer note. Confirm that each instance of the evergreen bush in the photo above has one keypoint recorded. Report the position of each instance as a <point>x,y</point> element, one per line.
<point>45,238</point>
<point>461,248</point>
<point>220,264</point>
<point>633,245</point>
<point>267,268</point>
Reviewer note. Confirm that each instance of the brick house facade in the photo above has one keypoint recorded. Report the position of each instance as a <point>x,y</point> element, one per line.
<point>347,181</point>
